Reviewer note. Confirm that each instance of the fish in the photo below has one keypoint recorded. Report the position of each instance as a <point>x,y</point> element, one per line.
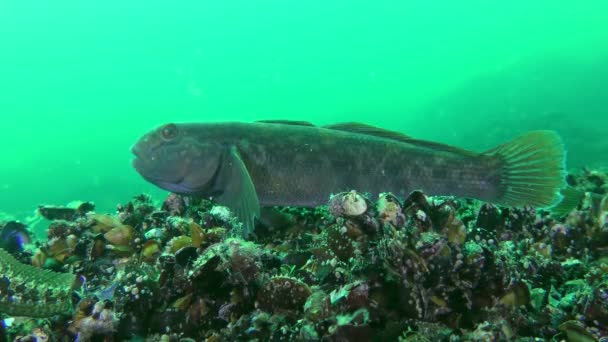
<point>246,165</point>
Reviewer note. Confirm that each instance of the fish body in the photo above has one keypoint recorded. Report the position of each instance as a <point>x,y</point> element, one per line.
<point>248,165</point>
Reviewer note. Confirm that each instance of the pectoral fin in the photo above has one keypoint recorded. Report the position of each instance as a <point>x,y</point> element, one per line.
<point>238,192</point>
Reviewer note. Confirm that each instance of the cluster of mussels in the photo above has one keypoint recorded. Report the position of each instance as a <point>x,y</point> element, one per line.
<point>422,269</point>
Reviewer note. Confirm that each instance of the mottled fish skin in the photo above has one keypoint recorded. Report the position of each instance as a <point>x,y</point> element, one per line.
<point>302,165</point>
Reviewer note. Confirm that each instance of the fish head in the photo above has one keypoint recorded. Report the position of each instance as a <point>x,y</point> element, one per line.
<point>173,159</point>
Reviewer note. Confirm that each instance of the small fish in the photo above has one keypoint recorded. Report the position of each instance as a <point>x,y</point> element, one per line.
<point>293,163</point>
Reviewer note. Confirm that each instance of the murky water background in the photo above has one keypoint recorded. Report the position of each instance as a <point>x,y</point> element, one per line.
<point>79,82</point>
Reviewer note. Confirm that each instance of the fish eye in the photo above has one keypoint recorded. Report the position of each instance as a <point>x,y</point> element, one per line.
<point>169,131</point>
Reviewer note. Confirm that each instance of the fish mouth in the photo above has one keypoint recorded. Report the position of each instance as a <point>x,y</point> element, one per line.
<point>144,165</point>
<point>137,164</point>
<point>139,161</point>
<point>141,164</point>
<point>136,150</point>
<point>144,169</point>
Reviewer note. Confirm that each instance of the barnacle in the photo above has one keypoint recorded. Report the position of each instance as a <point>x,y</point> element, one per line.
<point>29,291</point>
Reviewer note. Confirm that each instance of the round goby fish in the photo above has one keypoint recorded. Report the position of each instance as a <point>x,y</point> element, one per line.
<point>294,163</point>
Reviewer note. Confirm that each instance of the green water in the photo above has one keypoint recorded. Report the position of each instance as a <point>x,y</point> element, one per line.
<point>80,81</point>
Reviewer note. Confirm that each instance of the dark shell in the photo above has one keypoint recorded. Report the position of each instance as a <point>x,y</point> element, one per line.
<point>416,199</point>
<point>489,217</point>
<point>68,213</point>
<point>185,256</point>
<point>283,295</point>
<point>57,213</point>
<point>340,243</point>
<point>14,236</point>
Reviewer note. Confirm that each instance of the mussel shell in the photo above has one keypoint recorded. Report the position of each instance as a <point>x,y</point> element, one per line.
<point>51,212</point>
<point>14,236</point>
<point>186,255</point>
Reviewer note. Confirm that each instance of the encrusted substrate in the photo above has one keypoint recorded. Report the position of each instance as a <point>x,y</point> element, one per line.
<point>358,269</point>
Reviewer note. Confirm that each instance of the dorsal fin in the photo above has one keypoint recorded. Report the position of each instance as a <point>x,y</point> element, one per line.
<point>360,128</point>
<point>287,122</point>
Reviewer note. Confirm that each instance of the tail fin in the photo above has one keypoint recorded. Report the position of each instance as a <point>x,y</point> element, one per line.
<point>532,170</point>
